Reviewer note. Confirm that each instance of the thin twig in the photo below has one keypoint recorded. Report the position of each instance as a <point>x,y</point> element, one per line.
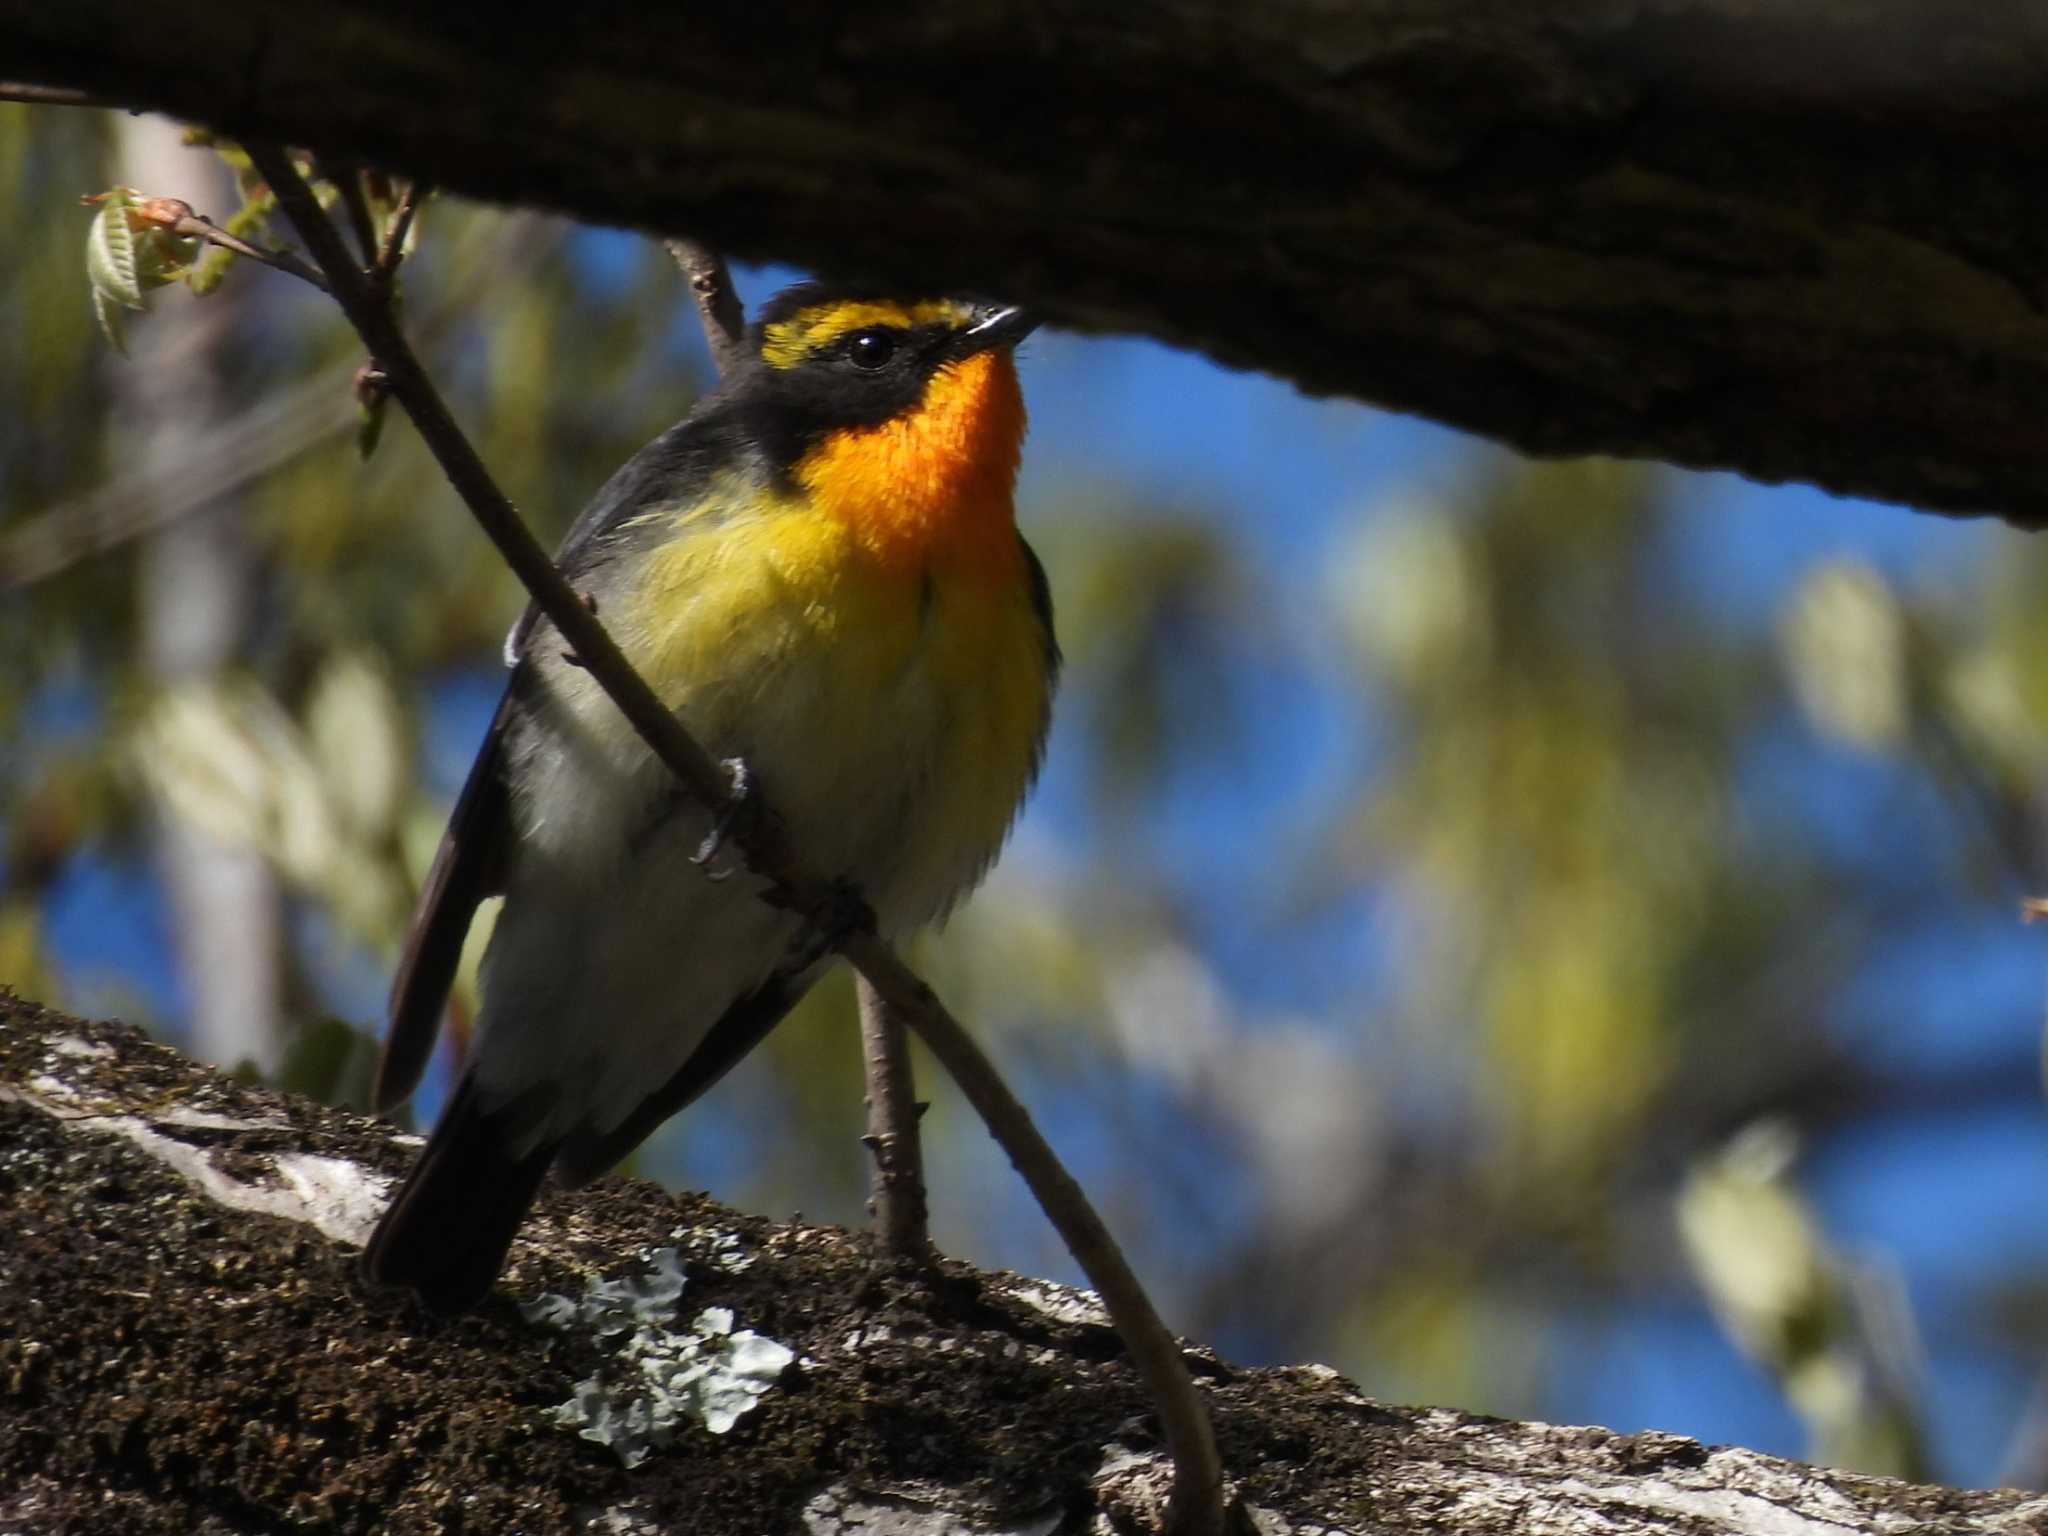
<point>54,96</point>
<point>579,628</point>
<point>718,302</point>
<point>223,460</point>
<point>1196,1508</point>
<point>1197,1504</point>
<point>177,216</point>
<point>896,1192</point>
<point>210,466</point>
<point>392,251</point>
<point>348,181</point>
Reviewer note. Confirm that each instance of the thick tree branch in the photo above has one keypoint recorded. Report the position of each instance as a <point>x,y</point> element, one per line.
<point>1804,241</point>
<point>184,1351</point>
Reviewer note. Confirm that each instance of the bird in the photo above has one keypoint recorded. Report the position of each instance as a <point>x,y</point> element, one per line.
<point>819,571</point>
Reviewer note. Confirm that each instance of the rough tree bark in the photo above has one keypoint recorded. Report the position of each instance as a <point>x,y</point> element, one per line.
<point>183,1350</point>
<point>1803,241</point>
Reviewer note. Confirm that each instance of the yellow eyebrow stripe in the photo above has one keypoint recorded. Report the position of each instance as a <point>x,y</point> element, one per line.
<point>789,342</point>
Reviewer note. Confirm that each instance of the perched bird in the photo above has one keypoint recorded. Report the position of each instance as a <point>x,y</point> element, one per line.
<point>819,571</point>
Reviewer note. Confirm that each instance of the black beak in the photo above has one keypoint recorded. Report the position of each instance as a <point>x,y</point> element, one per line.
<point>994,325</point>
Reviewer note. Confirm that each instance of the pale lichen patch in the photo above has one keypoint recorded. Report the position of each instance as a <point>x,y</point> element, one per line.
<point>1062,1303</point>
<point>72,1045</point>
<point>340,1199</point>
<point>661,1377</point>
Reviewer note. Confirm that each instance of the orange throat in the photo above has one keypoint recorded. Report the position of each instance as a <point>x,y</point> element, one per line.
<point>934,486</point>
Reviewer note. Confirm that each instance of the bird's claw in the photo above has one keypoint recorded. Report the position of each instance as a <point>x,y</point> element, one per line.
<point>840,910</point>
<point>740,806</point>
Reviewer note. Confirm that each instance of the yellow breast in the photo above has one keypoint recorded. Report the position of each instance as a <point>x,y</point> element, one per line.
<point>868,644</point>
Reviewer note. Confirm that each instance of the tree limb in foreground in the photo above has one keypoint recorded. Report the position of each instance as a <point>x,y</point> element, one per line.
<point>1804,241</point>
<point>183,1351</point>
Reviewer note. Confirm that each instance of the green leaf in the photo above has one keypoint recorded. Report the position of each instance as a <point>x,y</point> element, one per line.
<point>126,257</point>
<point>111,264</point>
<point>109,316</point>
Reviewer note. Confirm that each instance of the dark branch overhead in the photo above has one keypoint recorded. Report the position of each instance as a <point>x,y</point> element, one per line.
<point>1804,241</point>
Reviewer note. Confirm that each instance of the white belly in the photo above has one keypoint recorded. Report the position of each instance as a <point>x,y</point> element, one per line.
<point>894,740</point>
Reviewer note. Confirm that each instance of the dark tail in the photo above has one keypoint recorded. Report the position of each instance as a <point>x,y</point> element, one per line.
<point>446,1231</point>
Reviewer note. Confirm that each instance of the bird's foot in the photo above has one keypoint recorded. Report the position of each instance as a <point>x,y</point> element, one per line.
<point>734,820</point>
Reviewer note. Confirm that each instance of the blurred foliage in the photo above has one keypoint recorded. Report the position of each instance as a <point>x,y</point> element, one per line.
<point>1558,936</point>
<point>1835,1335</point>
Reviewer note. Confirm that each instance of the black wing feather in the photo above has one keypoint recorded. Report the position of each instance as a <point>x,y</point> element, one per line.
<point>739,1029</point>
<point>445,1234</point>
<point>468,866</point>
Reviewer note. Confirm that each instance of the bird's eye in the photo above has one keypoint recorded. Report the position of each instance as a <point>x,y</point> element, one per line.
<point>870,350</point>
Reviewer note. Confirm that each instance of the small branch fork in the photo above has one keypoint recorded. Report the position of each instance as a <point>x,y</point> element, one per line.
<point>1197,1504</point>
<point>178,217</point>
<point>384,270</point>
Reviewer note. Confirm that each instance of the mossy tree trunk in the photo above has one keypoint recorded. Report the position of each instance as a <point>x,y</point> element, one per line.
<point>183,1349</point>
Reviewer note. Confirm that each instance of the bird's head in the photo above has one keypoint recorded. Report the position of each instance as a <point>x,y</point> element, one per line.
<point>901,417</point>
